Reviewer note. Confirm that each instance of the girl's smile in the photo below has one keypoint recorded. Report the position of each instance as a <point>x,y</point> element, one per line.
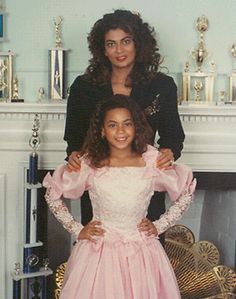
<point>119,129</point>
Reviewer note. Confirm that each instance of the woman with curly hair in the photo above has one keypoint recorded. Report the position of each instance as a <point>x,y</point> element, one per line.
<point>125,60</point>
<point>117,255</point>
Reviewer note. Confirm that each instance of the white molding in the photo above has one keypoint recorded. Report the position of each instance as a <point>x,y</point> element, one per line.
<point>2,235</point>
<point>210,110</point>
<point>47,107</point>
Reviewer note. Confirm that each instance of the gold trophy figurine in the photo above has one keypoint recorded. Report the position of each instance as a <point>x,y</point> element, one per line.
<point>198,85</point>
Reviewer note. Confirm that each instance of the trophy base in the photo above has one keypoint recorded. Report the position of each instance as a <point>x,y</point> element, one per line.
<point>193,103</point>
<point>230,102</point>
<point>58,100</point>
<point>17,100</point>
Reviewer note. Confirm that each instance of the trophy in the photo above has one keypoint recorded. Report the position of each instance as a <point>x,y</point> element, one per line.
<point>15,91</point>
<point>41,94</point>
<point>200,54</point>
<point>30,280</point>
<point>232,80</point>
<point>57,62</point>
<point>198,85</point>
<point>6,75</point>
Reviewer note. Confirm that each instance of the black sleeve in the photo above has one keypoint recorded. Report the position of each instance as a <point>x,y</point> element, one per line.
<point>170,128</point>
<point>78,115</point>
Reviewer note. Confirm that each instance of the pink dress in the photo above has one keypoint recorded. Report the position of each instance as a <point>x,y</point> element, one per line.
<point>124,263</point>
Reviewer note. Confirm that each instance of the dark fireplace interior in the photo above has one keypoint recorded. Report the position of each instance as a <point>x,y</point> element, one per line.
<point>56,240</point>
<point>218,222</point>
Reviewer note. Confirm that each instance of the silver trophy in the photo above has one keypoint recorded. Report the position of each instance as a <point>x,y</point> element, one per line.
<point>41,94</point>
<point>57,63</point>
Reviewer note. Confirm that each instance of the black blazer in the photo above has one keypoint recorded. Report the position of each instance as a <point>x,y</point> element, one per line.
<point>158,99</point>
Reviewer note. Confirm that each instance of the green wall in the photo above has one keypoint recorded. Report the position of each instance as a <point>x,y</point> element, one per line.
<point>30,33</point>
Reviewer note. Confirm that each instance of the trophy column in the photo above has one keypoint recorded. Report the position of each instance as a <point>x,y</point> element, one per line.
<point>57,82</point>
<point>30,280</point>
<point>57,64</point>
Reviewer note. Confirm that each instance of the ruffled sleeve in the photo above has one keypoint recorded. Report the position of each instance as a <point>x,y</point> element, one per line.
<point>64,184</point>
<point>179,184</point>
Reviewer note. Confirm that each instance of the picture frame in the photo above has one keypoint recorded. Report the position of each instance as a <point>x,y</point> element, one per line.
<point>2,25</point>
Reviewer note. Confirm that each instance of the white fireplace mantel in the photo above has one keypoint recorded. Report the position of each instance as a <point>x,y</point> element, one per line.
<point>210,143</point>
<point>210,146</point>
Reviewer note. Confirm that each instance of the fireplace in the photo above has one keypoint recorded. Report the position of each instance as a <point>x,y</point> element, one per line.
<point>211,216</point>
<point>210,150</point>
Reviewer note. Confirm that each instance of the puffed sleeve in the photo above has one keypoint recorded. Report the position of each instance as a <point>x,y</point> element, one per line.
<point>64,184</point>
<point>178,182</point>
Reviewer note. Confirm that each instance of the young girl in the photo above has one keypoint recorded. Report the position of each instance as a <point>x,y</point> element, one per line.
<point>118,255</point>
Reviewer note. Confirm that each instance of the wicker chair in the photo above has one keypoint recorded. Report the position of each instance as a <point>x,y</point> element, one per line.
<point>196,266</point>
<point>59,275</point>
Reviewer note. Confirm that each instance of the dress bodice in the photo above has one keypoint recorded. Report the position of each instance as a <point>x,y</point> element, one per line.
<point>120,198</point>
<point>120,195</point>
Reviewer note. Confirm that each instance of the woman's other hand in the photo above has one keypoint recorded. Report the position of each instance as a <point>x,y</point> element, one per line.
<point>74,162</point>
<point>166,160</point>
<point>147,227</point>
<point>91,230</point>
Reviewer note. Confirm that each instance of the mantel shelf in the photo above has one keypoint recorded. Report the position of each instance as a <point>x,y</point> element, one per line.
<point>210,142</point>
<point>60,107</point>
<point>45,107</point>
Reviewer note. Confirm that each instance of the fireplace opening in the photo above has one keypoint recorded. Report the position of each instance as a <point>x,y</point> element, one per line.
<point>56,240</point>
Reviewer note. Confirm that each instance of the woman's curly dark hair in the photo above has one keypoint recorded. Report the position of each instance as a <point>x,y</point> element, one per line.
<point>96,148</point>
<point>147,56</point>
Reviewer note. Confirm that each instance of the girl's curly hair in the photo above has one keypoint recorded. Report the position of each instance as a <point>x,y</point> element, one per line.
<point>147,56</point>
<point>96,148</point>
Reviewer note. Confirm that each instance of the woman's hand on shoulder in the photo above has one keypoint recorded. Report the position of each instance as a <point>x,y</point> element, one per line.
<point>166,159</point>
<point>147,227</point>
<point>74,163</point>
<point>91,230</point>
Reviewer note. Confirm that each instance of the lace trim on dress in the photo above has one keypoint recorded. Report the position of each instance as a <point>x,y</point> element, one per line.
<point>175,212</point>
<point>61,212</point>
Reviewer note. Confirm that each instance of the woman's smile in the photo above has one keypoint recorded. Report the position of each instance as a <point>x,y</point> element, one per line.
<point>120,48</point>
